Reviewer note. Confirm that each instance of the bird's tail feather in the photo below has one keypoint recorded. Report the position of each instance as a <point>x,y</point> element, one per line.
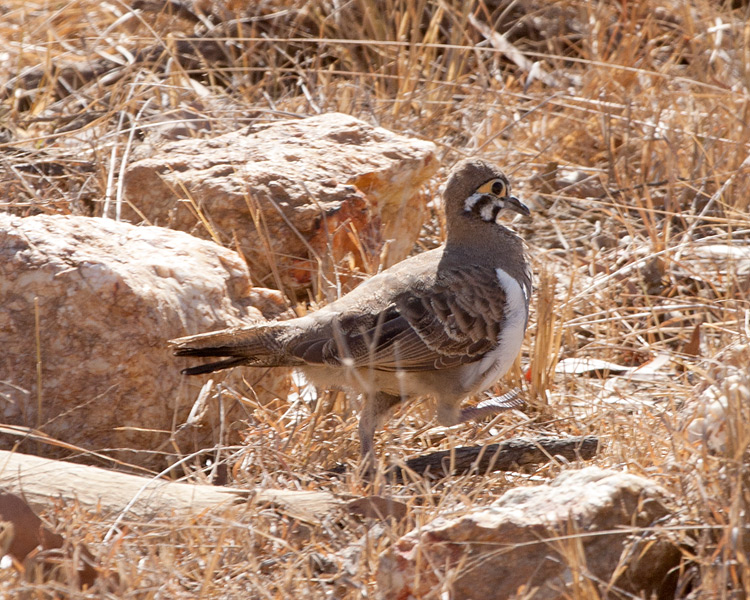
<point>255,346</point>
<point>214,366</point>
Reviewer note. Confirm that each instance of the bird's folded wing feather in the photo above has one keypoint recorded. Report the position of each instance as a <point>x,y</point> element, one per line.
<point>456,320</point>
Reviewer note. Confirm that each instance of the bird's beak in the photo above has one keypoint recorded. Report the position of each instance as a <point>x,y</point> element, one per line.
<point>514,204</point>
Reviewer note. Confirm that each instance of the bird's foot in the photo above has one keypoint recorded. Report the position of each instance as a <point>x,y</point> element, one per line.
<point>492,406</point>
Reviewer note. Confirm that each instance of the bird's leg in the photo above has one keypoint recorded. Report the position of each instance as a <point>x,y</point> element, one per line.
<point>375,410</point>
<point>492,406</point>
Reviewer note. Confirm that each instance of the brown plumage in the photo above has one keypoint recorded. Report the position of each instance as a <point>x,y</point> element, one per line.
<point>446,323</point>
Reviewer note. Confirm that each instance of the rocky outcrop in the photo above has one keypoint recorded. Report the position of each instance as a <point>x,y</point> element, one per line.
<point>297,197</point>
<point>587,530</point>
<point>88,307</point>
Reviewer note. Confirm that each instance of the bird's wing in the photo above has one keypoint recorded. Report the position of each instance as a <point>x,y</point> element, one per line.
<point>454,321</point>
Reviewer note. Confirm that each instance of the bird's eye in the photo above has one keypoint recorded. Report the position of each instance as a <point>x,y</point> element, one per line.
<point>496,187</point>
<point>499,188</point>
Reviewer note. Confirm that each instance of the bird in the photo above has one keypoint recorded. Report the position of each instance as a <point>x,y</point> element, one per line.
<point>446,323</point>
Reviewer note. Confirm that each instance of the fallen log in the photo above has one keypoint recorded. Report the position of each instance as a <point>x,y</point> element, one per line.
<point>505,456</point>
<point>111,493</point>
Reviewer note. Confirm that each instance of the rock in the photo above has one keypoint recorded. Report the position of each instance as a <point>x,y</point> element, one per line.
<point>536,538</point>
<point>23,532</point>
<point>96,301</point>
<point>295,196</point>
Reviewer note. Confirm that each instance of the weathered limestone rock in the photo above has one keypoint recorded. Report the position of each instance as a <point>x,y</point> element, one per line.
<point>295,195</point>
<point>88,305</point>
<point>573,534</point>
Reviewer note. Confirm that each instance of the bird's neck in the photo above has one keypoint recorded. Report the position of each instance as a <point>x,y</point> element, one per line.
<point>499,247</point>
<point>468,236</point>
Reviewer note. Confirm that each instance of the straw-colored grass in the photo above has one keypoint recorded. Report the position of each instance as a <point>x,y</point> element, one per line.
<point>624,125</point>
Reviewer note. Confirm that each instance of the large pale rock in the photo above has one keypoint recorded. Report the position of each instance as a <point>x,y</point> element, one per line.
<point>88,305</point>
<point>299,197</point>
<point>561,538</point>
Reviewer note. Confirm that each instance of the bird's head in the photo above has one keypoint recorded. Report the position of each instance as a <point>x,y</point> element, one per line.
<point>479,191</point>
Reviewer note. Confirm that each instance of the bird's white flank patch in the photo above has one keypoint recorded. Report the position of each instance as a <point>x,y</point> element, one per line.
<point>496,363</point>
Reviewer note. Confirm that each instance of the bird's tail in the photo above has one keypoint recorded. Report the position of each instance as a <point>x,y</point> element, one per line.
<point>255,346</point>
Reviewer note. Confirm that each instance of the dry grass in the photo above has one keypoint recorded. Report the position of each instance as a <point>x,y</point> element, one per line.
<point>623,124</point>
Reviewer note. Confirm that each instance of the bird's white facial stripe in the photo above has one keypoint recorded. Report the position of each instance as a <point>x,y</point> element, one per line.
<point>471,201</point>
<point>487,206</point>
<point>489,211</point>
